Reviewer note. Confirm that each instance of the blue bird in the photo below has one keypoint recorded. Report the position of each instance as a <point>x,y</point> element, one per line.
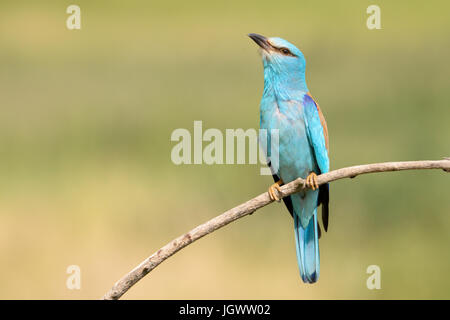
<point>302,149</point>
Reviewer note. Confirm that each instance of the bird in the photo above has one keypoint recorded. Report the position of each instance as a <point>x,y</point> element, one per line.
<point>302,148</point>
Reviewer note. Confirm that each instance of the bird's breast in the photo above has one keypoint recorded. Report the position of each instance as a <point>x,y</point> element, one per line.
<point>294,151</point>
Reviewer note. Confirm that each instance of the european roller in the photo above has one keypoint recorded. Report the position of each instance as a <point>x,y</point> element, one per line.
<point>287,106</point>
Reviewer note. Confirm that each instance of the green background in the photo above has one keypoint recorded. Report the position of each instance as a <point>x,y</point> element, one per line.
<point>85,171</point>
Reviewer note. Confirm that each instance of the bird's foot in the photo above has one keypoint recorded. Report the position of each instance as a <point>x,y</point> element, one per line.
<point>272,194</point>
<point>311,181</point>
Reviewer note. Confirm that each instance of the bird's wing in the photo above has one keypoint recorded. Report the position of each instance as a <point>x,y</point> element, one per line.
<point>317,131</point>
<point>323,122</point>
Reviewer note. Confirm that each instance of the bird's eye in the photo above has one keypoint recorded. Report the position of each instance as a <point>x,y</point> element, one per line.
<point>285,51</point>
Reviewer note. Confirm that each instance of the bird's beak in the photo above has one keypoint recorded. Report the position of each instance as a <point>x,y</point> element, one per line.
<point>260,41</point>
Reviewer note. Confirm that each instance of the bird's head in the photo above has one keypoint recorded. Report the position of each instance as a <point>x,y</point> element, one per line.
<point>282,60</point>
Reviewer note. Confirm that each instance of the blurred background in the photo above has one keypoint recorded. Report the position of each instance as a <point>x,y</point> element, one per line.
<point>85,171</point>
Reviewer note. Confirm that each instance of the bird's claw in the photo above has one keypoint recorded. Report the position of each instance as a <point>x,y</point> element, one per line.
<point>272,194</point>
<point>311,181</point>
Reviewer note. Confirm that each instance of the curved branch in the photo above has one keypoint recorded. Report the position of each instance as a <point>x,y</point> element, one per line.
<point>127,281</point>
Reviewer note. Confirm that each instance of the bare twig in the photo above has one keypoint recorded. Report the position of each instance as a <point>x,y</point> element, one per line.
<point>127,281</point>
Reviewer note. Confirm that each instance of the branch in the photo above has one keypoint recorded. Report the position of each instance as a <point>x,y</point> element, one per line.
<point>127,281</point>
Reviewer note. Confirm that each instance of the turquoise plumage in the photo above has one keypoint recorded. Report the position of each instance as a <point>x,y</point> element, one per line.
<point>287,106</point>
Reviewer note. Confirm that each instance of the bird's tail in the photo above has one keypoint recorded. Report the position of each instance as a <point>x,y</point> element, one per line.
<point>307,246</point>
